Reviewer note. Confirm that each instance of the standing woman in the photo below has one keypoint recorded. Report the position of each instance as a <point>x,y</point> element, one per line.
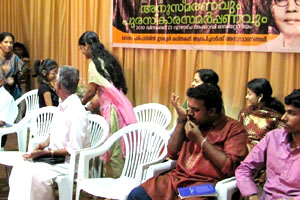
<point>107,80</point>
<point>46,70</point>
<point>11,64</point>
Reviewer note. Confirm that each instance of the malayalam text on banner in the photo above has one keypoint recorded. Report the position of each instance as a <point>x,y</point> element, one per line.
<point>238,25</point>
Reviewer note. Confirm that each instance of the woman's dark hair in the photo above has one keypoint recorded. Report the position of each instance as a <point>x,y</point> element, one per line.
<point>209,76</point>
<point>40,65</point>
<point>3,35</point>
<point>209,93</point>
<point>262,86</point>
<point>112,70</point>
<point>21,46</point>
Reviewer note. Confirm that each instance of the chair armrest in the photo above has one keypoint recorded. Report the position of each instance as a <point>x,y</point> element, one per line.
<point>86,155</point>
<point>142,171</point>
<point>21,130</point>
<point>157,169</point>
<point>20,99</point>
<point>226,188</point>
<point>15,127</point>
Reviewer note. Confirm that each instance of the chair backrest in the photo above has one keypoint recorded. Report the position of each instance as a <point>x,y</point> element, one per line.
<point>99,131</point>
<point>153,112</point>
<point>144,143</point>
<point>98,128</point>
<point>40,124</point>
<point>31,101</point>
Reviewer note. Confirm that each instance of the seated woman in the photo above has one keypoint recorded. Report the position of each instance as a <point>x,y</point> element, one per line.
<point>46,70</point>
<point>204,76</point>
<point>201,76</point>
<point>261,115</point>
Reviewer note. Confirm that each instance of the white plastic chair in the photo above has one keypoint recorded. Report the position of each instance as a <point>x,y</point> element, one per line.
<point>2,133</point>
<point>99,130</point>
<point>31,99</point>
<point>40,126</point>
<point>38,122</point>
<point>225,188</point>
<point>2,129</point>
<point>153,112</point>
<point>145,144</point>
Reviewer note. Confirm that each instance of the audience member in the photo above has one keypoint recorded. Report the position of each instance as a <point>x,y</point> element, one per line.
<point>207,145</point>
<point>69,131</point>
<point>46,70</point>
<point>263,112</point>
<point>20,50</point>
<point>279,153</point>
<point>106,78</point>
<point>11,64</point>
<point>203,76</point>
<point>8,107</point>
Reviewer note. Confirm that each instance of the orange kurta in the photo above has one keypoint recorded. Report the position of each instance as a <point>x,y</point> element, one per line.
<point>194,168</point>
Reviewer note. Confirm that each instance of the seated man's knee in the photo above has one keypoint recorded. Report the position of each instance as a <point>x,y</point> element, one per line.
<point>138,193</point>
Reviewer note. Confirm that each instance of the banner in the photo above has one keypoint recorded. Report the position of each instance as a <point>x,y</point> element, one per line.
<point>231,25</point>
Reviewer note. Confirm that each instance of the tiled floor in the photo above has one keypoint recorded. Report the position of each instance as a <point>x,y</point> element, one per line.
<point>11,145</point>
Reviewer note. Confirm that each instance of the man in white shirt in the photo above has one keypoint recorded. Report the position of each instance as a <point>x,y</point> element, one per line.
<point>8,107</point>
<point>69,131</point>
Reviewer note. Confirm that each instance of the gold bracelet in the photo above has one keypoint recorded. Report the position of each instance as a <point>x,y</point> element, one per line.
<point>52,153</point>
<point>181,121</point>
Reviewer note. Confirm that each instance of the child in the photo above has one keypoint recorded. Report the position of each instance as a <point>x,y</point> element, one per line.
<point>46,70</point>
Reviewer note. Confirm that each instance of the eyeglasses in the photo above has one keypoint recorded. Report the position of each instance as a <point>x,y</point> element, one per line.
<point>284,3</point>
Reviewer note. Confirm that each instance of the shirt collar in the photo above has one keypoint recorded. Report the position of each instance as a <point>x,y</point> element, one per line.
<point>287,141</point>
<point>64,105</point>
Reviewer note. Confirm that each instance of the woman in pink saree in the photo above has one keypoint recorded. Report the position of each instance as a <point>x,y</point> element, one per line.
<point>105,78</point>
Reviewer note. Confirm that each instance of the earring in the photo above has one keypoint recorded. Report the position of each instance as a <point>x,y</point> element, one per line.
<point>259,99</point>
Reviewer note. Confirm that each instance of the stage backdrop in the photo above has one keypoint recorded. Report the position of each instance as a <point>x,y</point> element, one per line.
<point>235,25</point>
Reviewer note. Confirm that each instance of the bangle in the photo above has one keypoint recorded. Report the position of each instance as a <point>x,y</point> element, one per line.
<point>52,153</point>
<point>202,143</point>
<point>181,121</point>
